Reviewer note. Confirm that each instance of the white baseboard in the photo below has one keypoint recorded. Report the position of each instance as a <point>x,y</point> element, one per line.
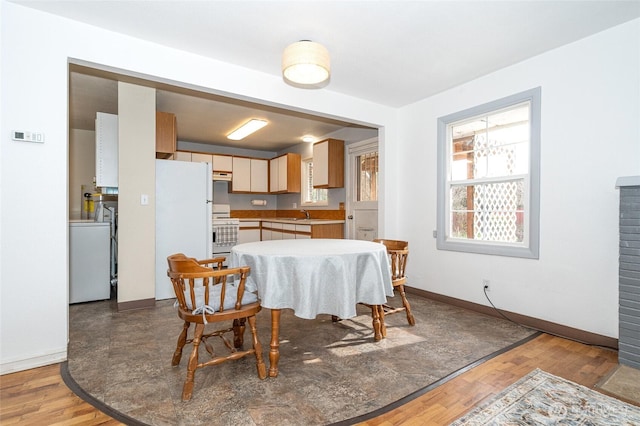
<point>34,362</point>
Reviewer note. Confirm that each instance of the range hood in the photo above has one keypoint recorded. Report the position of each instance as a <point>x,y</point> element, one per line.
<point>224,176</point>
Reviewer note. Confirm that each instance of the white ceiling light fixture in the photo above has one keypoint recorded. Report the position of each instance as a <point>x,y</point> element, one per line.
<point>308,138</point>
<point>246,129</point>
<point>306,64</point>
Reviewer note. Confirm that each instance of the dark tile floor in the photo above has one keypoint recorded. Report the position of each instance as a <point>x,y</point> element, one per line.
<point>328,372</point>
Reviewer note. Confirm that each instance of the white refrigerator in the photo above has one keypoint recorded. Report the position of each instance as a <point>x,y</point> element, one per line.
<point>183,216</point>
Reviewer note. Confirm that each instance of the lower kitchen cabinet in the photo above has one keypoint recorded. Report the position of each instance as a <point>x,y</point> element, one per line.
<point>283,231</point>
<point>334,230</point>
<point>271,231</point>
<point>249,232</point>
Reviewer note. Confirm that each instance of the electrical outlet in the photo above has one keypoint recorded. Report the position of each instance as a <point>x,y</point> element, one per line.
<point>485,285</point>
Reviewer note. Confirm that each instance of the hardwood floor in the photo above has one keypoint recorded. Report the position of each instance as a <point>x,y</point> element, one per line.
<point>574,361</point>
<point>39,396</point>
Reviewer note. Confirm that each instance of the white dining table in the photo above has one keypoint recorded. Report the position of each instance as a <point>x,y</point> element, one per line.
<point>315,276</point>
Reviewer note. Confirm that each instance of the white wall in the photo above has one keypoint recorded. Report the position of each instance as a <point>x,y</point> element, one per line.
<point>82,153</point>
<point>590,136</point>
<point>34,246</point>
<point>136,177</point>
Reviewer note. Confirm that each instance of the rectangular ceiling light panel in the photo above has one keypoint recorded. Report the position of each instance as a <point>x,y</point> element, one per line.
<point>246,129</point>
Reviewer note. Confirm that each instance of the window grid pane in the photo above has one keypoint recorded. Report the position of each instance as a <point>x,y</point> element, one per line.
<point>367,177</point>
<point>311,194</point>
<point>488,212</point>
<point>493,146</point>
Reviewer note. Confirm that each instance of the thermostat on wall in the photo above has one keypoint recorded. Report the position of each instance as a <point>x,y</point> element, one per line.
<point>21,136</point>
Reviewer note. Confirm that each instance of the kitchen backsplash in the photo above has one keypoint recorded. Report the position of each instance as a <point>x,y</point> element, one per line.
<point>313,214</point>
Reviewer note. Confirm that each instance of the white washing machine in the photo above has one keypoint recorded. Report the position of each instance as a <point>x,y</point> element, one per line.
<point>89,261</point>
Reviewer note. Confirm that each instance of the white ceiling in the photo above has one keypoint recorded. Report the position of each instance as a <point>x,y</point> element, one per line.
<point>389,52</point>
<point>201,117</point>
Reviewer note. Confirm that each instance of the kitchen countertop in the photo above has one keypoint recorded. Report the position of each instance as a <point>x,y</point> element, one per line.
<point>292,220</point>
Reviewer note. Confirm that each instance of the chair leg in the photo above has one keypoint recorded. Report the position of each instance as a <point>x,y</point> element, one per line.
<point>187,389</point>
<point>377,314</point>
<point>377,326</point>
<point>182,340</point>
<point>383,326</point>
<point>406,305</point>
<point>262,368</point>
<point>238,332</point>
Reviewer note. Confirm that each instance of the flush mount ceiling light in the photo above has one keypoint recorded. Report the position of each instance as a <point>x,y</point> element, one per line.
<point>308,138</point>
<point>306,64</point>
<point>246,129</point>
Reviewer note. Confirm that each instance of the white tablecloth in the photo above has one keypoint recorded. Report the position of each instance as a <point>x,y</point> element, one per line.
<point>316,276</point>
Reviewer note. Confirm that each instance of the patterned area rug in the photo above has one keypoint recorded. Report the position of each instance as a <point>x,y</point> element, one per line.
<point>541,398</point>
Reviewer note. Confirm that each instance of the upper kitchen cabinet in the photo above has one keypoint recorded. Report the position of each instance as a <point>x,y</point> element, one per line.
<point>328,164</point>
<point>250,175</point>
<point>197,157</point>
<point>182,156</point>
<point>284,173</point>
<point>166,134</point>
<point>222,163</point>
<point>259,175</point>
<point>106,150</point>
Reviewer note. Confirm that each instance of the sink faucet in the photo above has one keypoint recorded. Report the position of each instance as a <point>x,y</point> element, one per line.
<point>306,213</point>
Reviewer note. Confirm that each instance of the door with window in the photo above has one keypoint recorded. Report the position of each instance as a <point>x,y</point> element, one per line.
<point>362,190</point>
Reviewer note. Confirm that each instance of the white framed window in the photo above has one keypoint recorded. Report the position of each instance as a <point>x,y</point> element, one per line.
<point>311,196</point>
<point>489,178</point>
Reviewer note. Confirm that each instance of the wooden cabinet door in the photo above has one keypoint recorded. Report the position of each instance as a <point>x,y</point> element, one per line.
<point>294,166</point>
<point>222,163</point>
<point>303,231</point>
<point>166,134</point>
<point>320,164</point>
<point>276,230</point>
<point>265,231</point>
<point>288,231</point>
<point>241,179</point>
<point>273,175</point>
<point>197,157</point>
<point>259,175</point>
<point>282,173</point>
<point>328,164</point>
<point>182,156</point>
<point>249,232</point>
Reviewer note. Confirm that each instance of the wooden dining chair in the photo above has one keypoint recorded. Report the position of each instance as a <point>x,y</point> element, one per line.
<point>398,252</point>
<point>208,295</point>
